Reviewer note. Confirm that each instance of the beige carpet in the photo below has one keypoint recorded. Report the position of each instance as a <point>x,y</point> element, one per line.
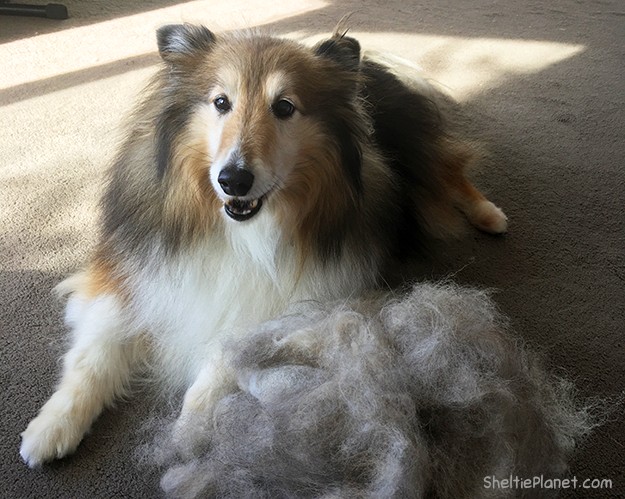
<point>544,81</point>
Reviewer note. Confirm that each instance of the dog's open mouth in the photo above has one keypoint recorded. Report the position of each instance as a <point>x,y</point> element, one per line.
<point>241,210</point>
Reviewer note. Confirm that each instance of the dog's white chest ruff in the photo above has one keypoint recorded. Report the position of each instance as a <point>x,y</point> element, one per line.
<point>189,303</point>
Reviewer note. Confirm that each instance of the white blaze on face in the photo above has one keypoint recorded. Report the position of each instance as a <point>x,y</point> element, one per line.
<point>249,131</point>
<point>223,141</point>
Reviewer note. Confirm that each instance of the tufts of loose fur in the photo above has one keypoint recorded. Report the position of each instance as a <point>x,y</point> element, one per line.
<point>420,396</point>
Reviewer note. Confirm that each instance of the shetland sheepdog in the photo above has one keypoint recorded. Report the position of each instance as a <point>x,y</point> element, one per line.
<point>256,172</point>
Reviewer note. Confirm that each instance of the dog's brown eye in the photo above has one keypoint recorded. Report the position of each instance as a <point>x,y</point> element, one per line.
<point>283,109</point>
<point>222,104</point>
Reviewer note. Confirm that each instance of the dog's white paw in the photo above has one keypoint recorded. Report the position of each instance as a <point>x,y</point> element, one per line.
<point>48,437</point>
<point>488,218</point>
<point>191,435</point>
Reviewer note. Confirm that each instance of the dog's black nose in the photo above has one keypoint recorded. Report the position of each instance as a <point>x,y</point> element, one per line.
<point>235,181</point>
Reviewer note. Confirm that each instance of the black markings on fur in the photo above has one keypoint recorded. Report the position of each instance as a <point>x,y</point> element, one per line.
<point>341,49</point>
<point>407,128</point>
<point>339,110</point>
<point>169,125</point>
<point>332,234</point>
<point>133,203</point>
<point>130,205</point>
<point>349,137</point>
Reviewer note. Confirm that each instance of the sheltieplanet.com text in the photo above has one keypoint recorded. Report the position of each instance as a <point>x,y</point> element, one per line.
<point>542,482</point>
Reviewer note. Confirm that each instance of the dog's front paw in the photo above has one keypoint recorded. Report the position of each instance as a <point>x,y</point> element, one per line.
<point>191,435</point>
<point>48,437</point>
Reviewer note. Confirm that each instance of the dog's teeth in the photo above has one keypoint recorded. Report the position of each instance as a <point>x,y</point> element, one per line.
<point>243,208</point>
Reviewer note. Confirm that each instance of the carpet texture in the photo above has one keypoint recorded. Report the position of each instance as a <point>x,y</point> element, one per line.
<point>544,83</point>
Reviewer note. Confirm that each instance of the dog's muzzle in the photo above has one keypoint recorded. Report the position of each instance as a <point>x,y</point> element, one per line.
<point>237,182</point>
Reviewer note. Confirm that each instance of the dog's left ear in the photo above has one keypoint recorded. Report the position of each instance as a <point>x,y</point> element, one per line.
<point>341,49</point>
<point>177,42</point>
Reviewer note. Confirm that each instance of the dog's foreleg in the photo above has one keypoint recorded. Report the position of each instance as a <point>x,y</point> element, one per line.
<point>96,369</point>
<point>193,429</point>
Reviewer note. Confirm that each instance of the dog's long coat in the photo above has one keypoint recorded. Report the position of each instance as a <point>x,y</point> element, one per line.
<point>256,172</point>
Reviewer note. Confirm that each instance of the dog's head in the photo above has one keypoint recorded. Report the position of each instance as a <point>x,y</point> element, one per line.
<point>272,124</point>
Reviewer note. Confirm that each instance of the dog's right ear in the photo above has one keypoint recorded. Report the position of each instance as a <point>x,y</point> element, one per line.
<point>177,42</point>
<point>342,49</point>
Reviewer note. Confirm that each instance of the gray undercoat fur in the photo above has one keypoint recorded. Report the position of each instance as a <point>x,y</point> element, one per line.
<point>422,395</point>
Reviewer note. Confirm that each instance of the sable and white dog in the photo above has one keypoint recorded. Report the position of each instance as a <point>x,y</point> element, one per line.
<point>256,172</point>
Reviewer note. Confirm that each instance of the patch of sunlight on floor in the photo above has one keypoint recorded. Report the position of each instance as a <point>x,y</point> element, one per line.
<point>464,66</point>
<point>75,49</point>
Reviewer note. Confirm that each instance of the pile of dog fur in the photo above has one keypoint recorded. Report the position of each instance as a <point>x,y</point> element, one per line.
<point>423,395</point>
